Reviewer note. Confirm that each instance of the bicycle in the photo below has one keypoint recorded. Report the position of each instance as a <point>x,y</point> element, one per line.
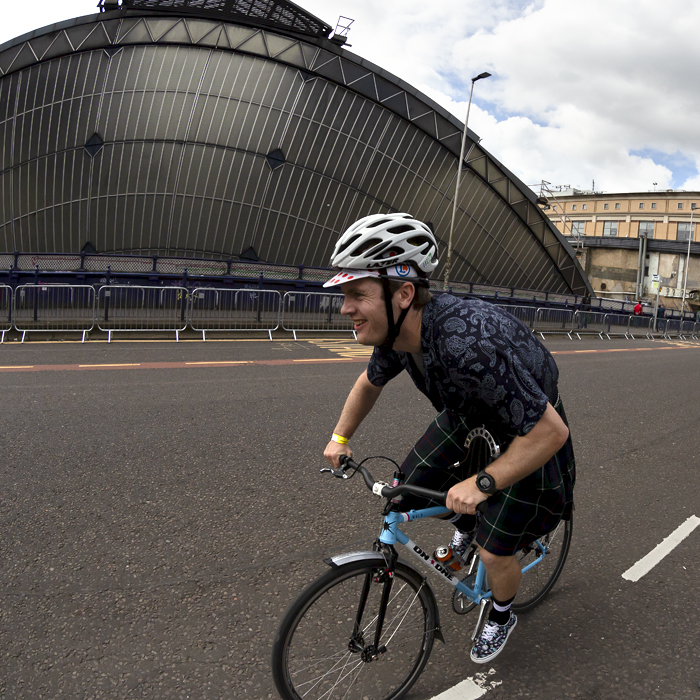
<point>365,629</point>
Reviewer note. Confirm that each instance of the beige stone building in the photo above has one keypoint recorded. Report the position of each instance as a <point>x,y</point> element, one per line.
<point>624,240</point>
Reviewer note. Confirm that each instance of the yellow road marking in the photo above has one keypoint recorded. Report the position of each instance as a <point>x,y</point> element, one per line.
<point>220,362</point>
<point>119,364</point>
<point>321,359</point>
<point>17,367</point>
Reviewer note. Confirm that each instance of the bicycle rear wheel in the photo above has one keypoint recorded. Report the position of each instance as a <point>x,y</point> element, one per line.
<point>322,649</point>
<point>539,580</point>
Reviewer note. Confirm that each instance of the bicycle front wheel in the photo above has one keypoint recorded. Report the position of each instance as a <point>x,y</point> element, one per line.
<point>325,645</point>
<point>539,580</point>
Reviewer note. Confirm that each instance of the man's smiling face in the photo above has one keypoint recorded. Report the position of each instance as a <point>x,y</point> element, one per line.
<point>364,304</point>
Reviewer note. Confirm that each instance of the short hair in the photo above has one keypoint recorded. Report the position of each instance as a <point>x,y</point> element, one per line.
<point>422,296</point>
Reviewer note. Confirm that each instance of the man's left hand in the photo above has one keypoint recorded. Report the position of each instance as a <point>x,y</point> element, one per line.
<point>465,497</point>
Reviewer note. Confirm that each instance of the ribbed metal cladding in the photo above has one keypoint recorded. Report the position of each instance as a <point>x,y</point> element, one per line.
<point>191,136</point>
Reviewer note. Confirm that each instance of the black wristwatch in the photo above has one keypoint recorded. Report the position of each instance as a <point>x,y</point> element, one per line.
<point>486,483</point>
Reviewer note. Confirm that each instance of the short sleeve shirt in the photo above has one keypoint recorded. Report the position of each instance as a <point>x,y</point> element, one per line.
<point>478,362</point>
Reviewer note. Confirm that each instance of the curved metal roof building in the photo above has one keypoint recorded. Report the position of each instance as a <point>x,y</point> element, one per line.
<point>210,127</point>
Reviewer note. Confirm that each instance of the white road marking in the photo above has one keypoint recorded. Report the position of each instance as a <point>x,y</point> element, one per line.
<point>647,563</point>
<point>471,688</point>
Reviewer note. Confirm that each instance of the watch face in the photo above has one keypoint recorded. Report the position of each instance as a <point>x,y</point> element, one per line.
<point>485,483</point>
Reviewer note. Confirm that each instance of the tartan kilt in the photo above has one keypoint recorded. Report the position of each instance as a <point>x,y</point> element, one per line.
<point>515,517</point>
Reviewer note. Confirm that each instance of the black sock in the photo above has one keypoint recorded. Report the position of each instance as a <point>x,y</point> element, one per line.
<point>500,612</point>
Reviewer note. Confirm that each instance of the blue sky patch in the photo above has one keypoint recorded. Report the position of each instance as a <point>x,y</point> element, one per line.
<point>679,164</point>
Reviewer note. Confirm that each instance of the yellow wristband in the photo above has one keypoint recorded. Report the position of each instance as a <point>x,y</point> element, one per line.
<point>339,438</point>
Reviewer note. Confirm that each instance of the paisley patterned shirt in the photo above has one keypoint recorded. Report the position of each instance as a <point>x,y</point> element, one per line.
<point>479,362</point>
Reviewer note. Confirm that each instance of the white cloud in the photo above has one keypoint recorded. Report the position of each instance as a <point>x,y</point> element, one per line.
<point>579,89</point>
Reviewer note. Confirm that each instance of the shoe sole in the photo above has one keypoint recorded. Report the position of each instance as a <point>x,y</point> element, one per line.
<point>486,659</point>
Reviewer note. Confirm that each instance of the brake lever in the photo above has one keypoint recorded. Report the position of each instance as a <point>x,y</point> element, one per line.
<point>338,473</point>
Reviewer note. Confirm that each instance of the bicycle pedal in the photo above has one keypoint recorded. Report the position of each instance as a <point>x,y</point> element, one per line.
<point>460,603</point>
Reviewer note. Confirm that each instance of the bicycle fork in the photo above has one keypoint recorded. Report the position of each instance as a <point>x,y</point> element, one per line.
<point>385,577</point>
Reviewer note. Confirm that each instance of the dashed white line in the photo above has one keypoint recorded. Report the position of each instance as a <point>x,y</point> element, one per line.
<point>647,563</point>
<point>471,688</point>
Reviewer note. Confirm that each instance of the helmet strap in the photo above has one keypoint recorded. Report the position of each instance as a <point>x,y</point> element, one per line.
<point>394,327</point>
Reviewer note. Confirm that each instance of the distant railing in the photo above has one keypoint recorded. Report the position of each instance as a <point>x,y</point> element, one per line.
<point>234,310</point>
<point>314,311</point>
<point>126,308</point>
<point>54,307</point>
<point>5,310</point>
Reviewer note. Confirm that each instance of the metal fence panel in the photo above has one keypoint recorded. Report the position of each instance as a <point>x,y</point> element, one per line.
<point>687,328</point>
<point>314,311</point>
<point>53,307</point>
<point>673,327</point>
<point>586,322</point>
<point>616,324</point>
<point>127,308</point>
<point>234,310</point>
<point>5,310</point>
<point>640,325</point>
<point>554,321</point>
<point>526,314</point>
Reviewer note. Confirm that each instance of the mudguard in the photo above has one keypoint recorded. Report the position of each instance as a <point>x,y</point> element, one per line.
<point>348,557</point>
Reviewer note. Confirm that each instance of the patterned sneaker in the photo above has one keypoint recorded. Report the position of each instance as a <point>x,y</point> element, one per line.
<point>492,640</point>
<point>461,541</point>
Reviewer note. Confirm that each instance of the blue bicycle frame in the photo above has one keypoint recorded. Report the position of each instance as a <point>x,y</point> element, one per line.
<point>391,534</point>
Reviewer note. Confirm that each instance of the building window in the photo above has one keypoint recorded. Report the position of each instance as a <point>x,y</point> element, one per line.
<point>646,228</point>
<point>578,228</point>
<point>617,205</point>
<point>653,205</point>
<point>573,207</point>
<point>554,207</point>
<point>610,228</point>
<point>584,207</point>
<point>684,232</point>
<point>641,205</point>
<point>680,205</point>
<point>606,206</point>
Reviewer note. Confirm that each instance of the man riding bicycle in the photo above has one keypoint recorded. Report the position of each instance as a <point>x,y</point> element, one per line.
<point>478,365</point>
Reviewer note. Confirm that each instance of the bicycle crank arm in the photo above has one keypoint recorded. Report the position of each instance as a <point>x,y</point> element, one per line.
<point>483,616</point>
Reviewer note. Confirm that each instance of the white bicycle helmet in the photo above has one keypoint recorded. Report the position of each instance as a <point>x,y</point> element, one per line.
<point>383,240</point>
<point>386,246</point>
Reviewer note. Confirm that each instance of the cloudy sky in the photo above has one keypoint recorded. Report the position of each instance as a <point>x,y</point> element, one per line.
<point>581,90</point>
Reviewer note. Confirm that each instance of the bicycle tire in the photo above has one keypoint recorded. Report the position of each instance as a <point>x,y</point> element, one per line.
<point>538,581</point>
<point>318,627</point>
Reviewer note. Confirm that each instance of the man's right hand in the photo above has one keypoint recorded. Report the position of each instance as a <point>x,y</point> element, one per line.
<point>334,450</point>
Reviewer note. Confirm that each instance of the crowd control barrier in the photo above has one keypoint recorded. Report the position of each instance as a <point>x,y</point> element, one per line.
<point>588,322</point>
<point>616,324</point>
<point>554,321</point>
<point>641,325</point>
<point>234,310</point>
<point>126,308</point>
<point>53,307</point>
<point>5,310</point>
<point>314,311</point>
<point>673,328</point>
<point>526,314</point>
<point>687,329</point>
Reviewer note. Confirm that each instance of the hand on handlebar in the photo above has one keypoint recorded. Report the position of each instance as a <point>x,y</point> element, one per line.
<point>465,497</point>
<point>334,451</point>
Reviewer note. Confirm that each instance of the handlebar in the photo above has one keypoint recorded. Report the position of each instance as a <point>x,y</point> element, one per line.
<point>383,489</point>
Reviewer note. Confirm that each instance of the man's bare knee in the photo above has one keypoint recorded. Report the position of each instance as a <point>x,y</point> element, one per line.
<point>495,561</point>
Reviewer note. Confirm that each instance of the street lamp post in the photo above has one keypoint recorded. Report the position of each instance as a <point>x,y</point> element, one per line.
<point>448,262</point>
<point>687,259</point>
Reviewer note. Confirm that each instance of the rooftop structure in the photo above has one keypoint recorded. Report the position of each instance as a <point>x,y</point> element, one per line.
<point>238,128</point>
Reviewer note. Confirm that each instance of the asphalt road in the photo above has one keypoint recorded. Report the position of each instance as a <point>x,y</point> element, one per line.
<point>157,519</point>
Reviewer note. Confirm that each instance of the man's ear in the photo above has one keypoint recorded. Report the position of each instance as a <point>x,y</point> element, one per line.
<point>406,294</point>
